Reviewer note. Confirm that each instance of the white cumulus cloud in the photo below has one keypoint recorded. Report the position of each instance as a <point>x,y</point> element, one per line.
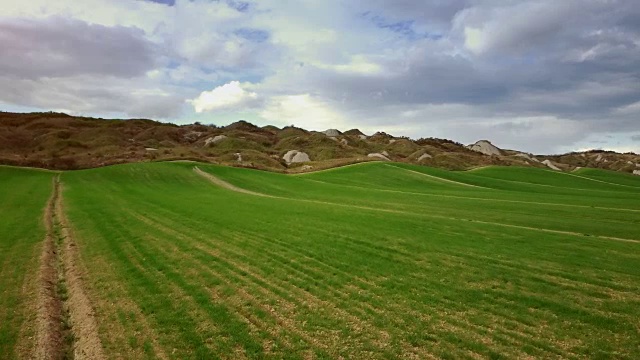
<point>302,110</point>
<point>224,97</point>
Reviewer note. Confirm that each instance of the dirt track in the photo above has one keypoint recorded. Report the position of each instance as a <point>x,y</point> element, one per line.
<point>226,185</point>
<point>439,178</point>
<point>49,341</point>
<point>66,321</point>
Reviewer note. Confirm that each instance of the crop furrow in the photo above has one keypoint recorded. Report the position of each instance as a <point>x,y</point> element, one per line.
<point>244,269</point>
<point>277,265</point>
<point>304,297</point>
<point>229,275</point>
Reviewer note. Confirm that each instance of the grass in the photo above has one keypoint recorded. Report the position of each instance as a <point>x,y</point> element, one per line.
<point>342,266</point>
<point>624,179</point>
<point>23,196</point>
<point>377,260</point>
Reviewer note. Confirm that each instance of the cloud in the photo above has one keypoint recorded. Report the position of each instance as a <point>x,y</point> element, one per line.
<point>56,46</point>
<point>359,64</point>
<point>426,15</point>
<point>630,109</point>
<point>224,38</point>
<point>62,63</point>
<point>224,97</point>
<point>85,94</point>
<point>540,75</point>
<point>515,27</point>
<point>302,110</point>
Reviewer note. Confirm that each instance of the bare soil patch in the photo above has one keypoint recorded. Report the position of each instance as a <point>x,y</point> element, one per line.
<point>87,344</point>
<point>66,325</point>
<point>225,184</point>
<point>49,342</point>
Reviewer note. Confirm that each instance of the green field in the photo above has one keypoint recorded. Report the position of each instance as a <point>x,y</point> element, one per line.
<point>23,195</point>
<point>377,260</point>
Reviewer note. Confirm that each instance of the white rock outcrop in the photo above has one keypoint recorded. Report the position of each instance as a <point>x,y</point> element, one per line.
<point>424,156</point>
<point>385,153</point>
<point>332,133</point>
<point>295,156</point>
<point>636,172</point>
<point>485,147</point>
<point>362,137</point>
<point>344,142</point>
<point>214,140</point>
<point>528,157</point>
<point>378,156</point>
<point>551,165</point>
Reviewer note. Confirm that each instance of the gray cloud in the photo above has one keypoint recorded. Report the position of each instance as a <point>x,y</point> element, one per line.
<point>62,63</point>
<point>57,46</point>
<point>537,75</point>
<point>90,94</point>
<point>545,79</point>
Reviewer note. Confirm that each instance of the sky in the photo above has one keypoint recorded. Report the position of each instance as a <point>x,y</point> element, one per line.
<point>542,76</point>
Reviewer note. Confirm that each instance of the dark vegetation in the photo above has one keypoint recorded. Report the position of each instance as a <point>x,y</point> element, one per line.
<point>63,142</point>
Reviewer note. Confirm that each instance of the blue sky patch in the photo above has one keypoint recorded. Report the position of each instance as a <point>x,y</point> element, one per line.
<point>165,2</point>
<point>254,35</point>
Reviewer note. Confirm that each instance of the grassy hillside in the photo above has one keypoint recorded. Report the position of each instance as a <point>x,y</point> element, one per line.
<point>23,195</point>
<point>368,261</point>
<point>609,177</point>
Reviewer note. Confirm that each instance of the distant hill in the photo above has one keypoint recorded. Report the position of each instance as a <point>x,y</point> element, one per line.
<point>60,141</point>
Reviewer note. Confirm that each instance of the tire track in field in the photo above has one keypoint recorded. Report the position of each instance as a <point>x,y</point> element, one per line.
<point>564,187</point>
<point>600,181</point>
<point>227,185</point>
<point>334,168</point>
<point>66,324</point>
<point>477,198</point>
<point>231,187</point>
<point>49,343</point>
<point>437,178</point>
<point>547,185</point>
<point>87,343</point>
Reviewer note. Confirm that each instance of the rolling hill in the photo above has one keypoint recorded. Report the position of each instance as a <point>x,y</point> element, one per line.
<point>369,261</point>
<point>63,142</point>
